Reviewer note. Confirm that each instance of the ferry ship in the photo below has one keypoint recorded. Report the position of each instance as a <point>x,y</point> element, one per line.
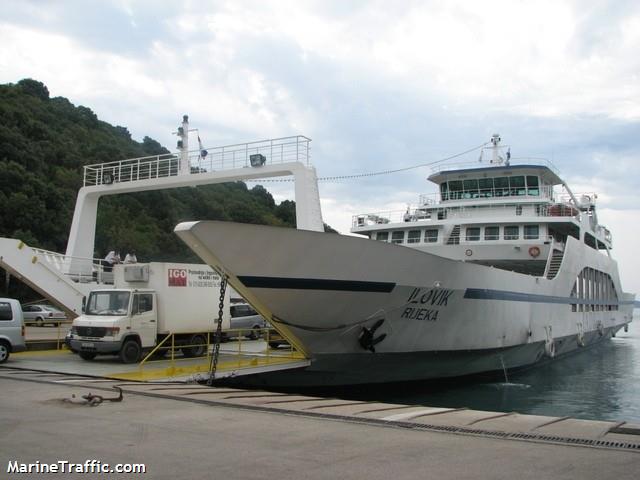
<point>505,268</point>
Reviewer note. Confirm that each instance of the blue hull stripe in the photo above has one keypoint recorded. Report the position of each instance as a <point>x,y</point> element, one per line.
<point>485,294</point>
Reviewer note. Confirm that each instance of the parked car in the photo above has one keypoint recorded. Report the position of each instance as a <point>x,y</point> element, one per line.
<point>245,322</point>
<point>11,328</point>
<point>41,315</point>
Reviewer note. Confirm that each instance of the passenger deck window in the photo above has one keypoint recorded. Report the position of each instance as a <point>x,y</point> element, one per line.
<point>414,236</point>
<point>397,236</point>
<point>491,233</point>
<point>6,314</point>
<point>531,232</point>
<point>473,234</point>
<point>382,236</point>
<point>431,235</point>
<point>511,232</point>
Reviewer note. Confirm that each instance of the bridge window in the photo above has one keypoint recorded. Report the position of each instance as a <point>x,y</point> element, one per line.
<point>531,232</point>
<point>511,232</point>
<point>455,189</point>
<point>501,186</point>
<point>533,187</point>
<point>444,191</point>
<point>382,236</point>
<point>470,188</point>
<point>516,185</point>
<point>473,234</point>
<point>397,236</point>
<point>485,186</point>
<point>491,233</point>
<point>431,235</point>
<point>414,236</point>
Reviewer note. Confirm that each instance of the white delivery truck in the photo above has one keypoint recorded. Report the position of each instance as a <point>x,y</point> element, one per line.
<point>148,302</point>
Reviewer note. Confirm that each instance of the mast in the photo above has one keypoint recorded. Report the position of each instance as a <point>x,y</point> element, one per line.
<point>183,146</point>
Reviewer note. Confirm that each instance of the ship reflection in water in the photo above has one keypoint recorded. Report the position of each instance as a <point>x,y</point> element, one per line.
<point>601,383</point>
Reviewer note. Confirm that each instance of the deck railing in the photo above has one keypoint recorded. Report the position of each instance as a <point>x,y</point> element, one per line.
<point>487,194</point>
<point>78,269</point>
<point>464,212</point>
<point>269,152</point>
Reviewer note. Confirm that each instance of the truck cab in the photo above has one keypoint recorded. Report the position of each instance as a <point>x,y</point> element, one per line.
<point>113,319</point>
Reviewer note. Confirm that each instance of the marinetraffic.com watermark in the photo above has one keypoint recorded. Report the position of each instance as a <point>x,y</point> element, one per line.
<point>64,466</point>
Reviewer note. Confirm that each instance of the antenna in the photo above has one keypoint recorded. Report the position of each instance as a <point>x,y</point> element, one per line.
<point>495,142</point>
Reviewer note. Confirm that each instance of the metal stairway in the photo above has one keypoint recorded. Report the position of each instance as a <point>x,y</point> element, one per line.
<point>554,263</point>
<point>454,236</point>
<point>45,272</point>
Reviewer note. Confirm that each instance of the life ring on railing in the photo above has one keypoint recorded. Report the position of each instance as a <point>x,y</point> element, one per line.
<point>534,251</point>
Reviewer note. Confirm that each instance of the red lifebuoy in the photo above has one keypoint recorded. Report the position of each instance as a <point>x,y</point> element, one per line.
<point>534,251</point>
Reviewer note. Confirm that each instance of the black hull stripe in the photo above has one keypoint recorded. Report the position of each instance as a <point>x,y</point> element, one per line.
<point>316,284</point>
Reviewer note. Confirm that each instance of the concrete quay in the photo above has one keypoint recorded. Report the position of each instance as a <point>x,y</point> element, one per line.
<point>192,431</point>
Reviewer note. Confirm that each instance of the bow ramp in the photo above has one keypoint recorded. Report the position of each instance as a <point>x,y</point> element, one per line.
<point>51,274</point>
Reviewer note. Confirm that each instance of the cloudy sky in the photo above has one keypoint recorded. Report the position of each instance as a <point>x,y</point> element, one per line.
<point>377,85</point>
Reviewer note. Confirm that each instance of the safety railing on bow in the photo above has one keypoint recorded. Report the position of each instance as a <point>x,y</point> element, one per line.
<point>242,349</point>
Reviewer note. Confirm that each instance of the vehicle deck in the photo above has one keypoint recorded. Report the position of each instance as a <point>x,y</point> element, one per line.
<point>254,357</point>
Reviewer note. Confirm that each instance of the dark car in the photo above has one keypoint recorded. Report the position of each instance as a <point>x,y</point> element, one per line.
<point>275,339</point>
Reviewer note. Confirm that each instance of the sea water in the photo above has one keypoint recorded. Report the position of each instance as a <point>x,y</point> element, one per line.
<point>599,383</point>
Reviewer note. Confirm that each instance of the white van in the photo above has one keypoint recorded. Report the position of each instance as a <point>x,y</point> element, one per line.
<point>11,328</point>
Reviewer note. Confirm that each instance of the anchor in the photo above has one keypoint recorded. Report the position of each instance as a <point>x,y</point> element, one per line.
<point>367,339</point>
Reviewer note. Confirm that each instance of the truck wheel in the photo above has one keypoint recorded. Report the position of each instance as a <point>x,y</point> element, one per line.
<point>87,355</point>
<point>5,350</point>
<point>130,351</point>
<point>198,350</point>
<point>255,333</point>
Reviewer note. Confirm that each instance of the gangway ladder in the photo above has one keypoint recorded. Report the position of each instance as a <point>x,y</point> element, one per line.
<point>37,271</point>
<point>554,263</point>
<point>454,236</point>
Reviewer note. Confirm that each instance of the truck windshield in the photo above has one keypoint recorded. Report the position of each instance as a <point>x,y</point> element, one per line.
<point>108,303</point>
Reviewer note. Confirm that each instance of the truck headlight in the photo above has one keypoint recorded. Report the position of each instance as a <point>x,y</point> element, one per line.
<point>111,331</point>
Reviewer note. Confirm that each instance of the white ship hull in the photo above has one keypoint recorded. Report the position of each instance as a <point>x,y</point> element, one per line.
<point>441,317</point>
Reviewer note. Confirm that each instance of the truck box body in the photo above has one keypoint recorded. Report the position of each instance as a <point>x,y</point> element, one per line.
<point>187,294</point>
<point>147,303</point>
